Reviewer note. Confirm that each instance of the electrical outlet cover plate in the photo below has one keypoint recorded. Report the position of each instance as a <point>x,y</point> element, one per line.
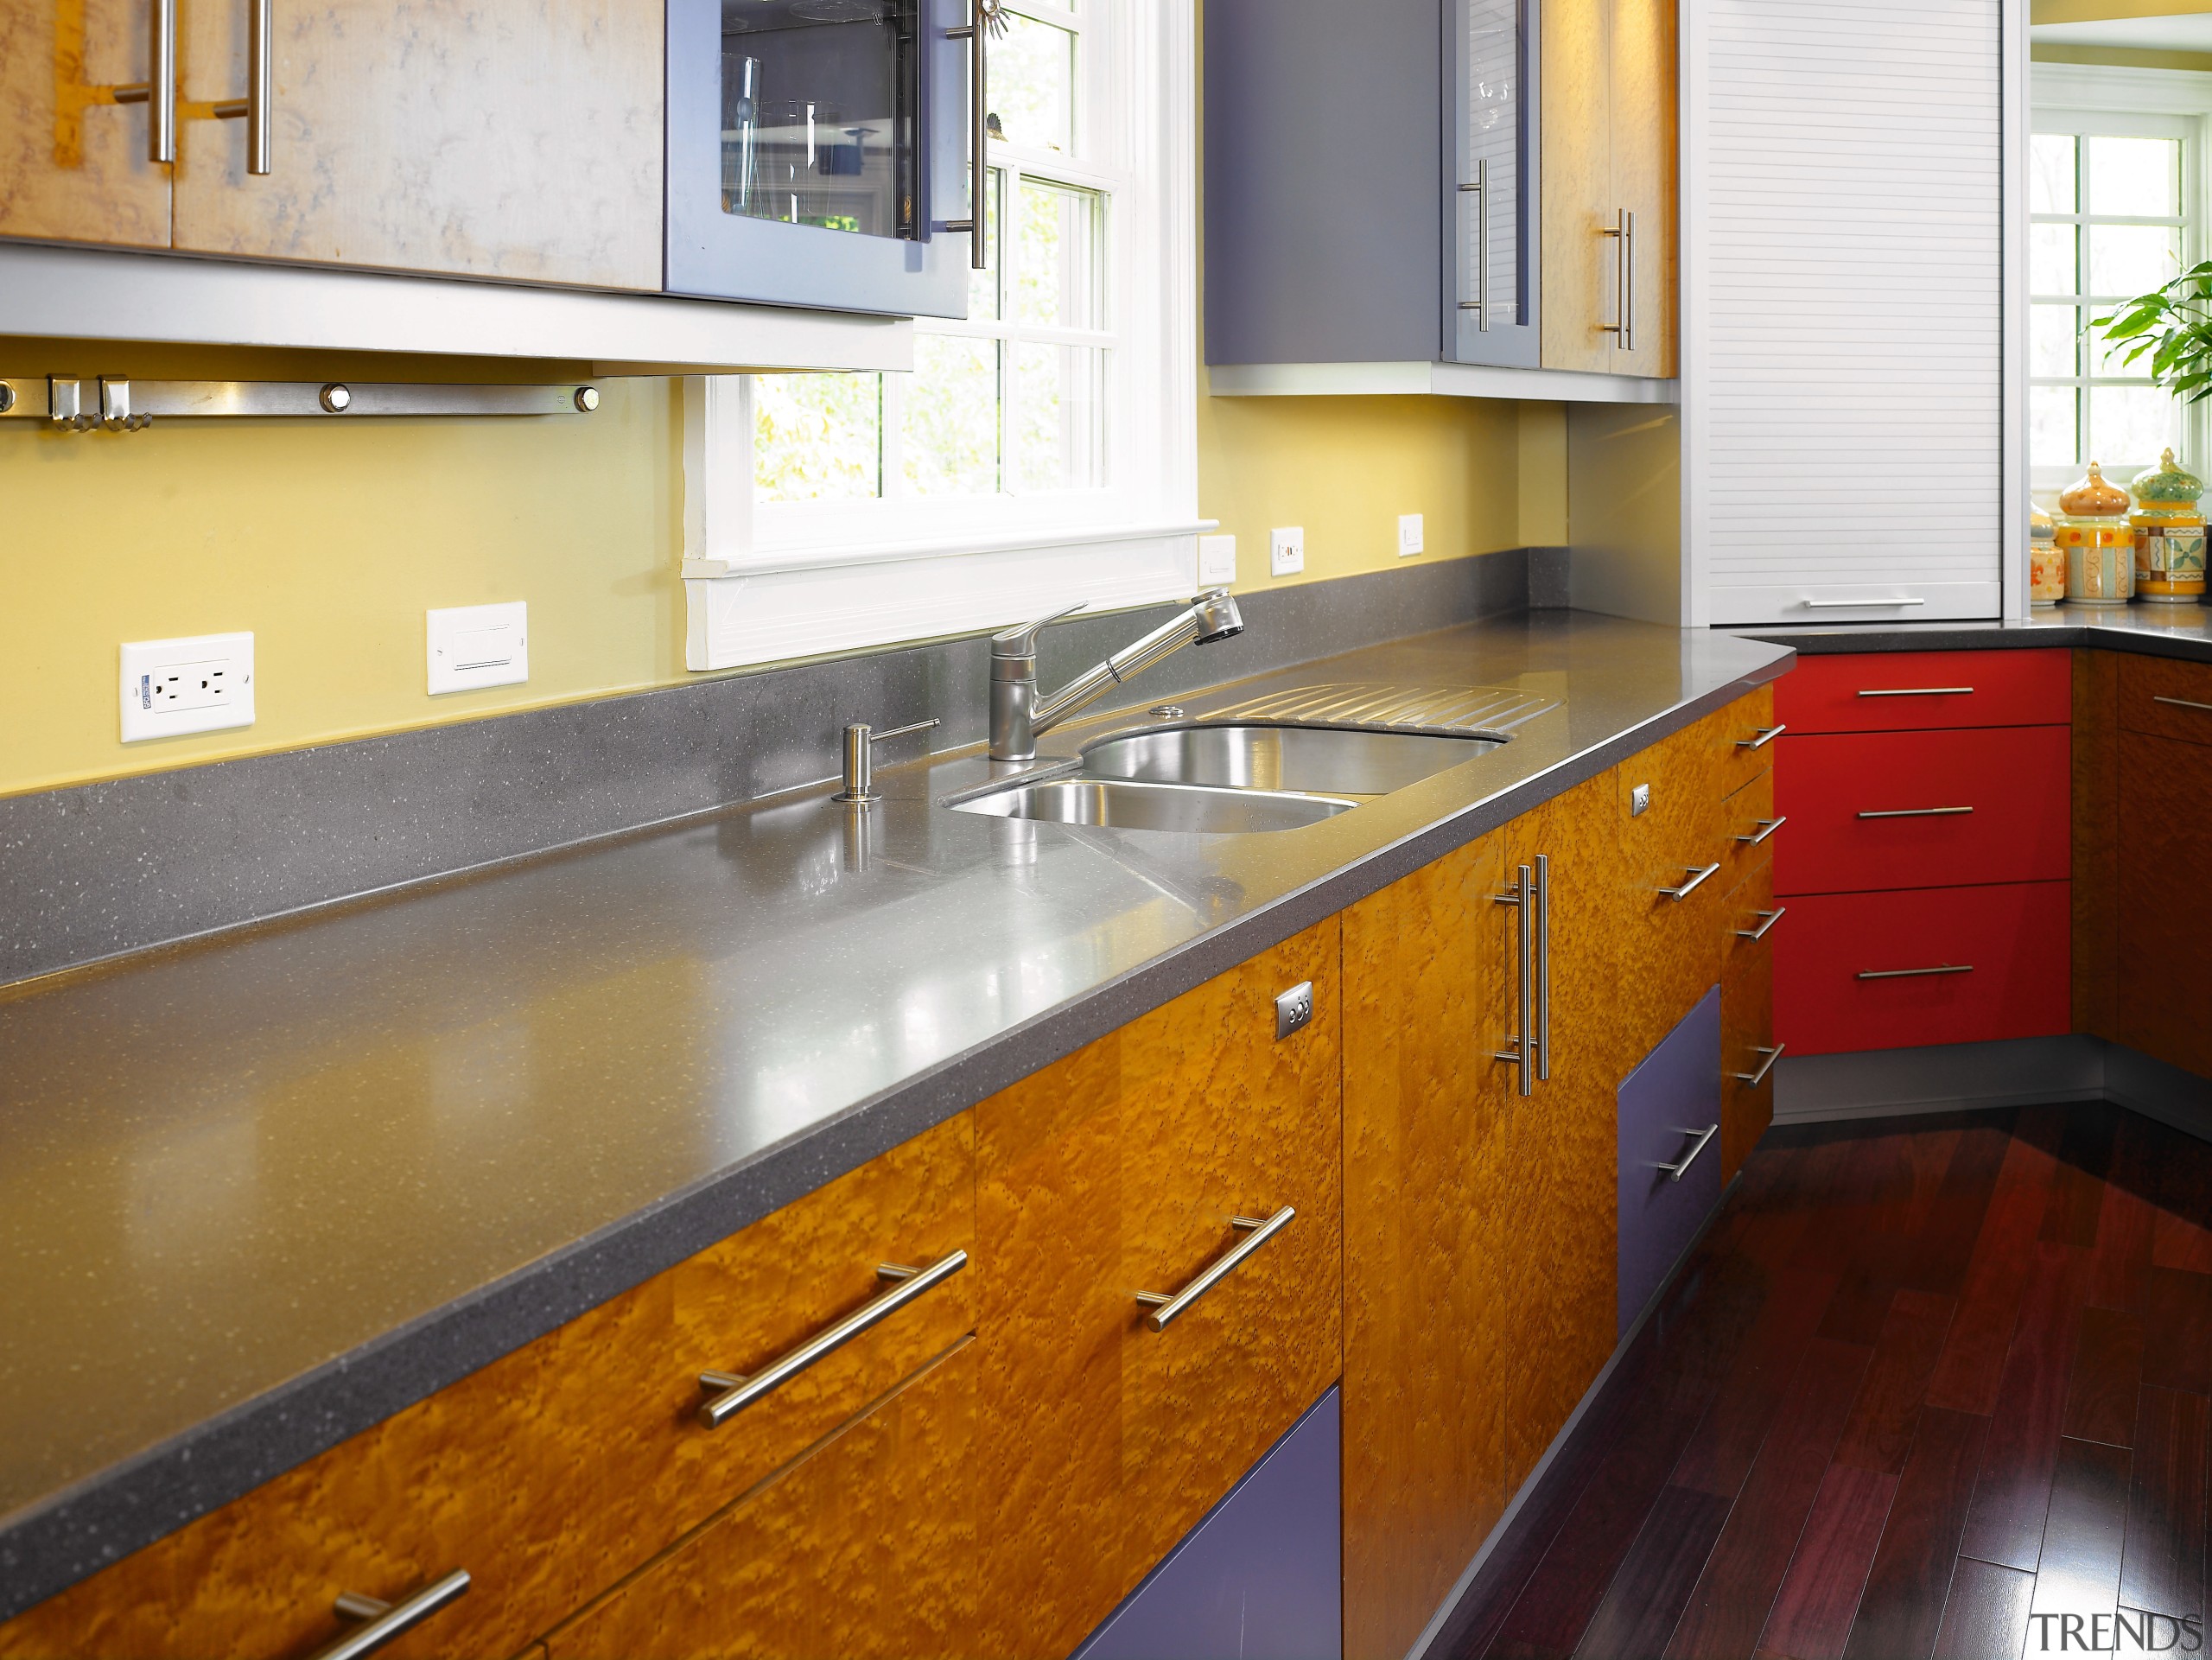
<point>472,645</point>
<point>1410,537</point>
<point>200,683</point>
<point>1216,560</point>
<point>1287,550</point>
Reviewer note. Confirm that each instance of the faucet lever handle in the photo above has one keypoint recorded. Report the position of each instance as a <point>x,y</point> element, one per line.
<point>1022,641</point>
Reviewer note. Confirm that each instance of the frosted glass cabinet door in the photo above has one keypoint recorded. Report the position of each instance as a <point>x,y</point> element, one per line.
<point>816,150</point>
<point>1492,285</point>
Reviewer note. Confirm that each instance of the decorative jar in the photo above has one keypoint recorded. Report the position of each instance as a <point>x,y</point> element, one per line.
<point>2097,542</point>
<point>2168,534</point>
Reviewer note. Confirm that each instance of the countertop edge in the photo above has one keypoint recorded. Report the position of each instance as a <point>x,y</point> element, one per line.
<point>2118,634</point>
<point>73,1533</point>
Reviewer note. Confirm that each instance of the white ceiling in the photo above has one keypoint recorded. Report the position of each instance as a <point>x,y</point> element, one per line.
<point>2189,32</point>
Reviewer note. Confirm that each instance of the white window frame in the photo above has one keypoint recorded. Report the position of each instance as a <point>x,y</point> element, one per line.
<point>772,582</point>
<point>2089,100</point>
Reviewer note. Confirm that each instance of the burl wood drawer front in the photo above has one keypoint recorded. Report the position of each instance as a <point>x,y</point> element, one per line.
<point>1749,826</point>
<point>1900,691</point>
<point>2167,699</point>
<point>1743,736</point>
<point>1890,810</point>
<point>1939,965</point>
<point>551,1472</point>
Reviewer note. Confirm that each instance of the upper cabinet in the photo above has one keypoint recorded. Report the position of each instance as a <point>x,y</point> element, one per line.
<point>75,159</point>
<point>1489,183</point>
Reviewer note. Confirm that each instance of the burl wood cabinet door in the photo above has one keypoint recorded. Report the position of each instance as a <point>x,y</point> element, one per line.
<point>1578,190</point>
<point>1645,166</point>
<point>73,162</point>
<point>521,141</point>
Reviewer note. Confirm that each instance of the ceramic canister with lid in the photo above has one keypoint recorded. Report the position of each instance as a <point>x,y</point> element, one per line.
<point>2168,534</point>
<point>2098,541</point>
<point>2046,561</point>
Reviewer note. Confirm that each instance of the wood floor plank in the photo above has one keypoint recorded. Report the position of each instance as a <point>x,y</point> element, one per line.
<point>1902,1607</point>
<point>1968,1374</point>
<point>2163,1568</point>
<point>2123,1251</point>
<point>2005,1524</point>
<point>1640,1607</point>
<point>1728,1438</point>
<point>2079,1570</point>
<point>1944,1244</point>
<point>1813,1610</point>
<point>2176,1242</point>
<point>1986,1617</point>
<point>2107,1373</point>
<point>2077,1189</point>
<point>2178,1329</point>
<point>1880,1431</point>
<point>1724,1612</point>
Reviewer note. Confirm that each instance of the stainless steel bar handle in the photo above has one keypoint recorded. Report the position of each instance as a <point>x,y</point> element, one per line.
<point>977,225</point>
<point>1772,1053</point>
<point>1480,191</point>
<point>255,107</point>
<point>1761,737</point>
<point>1766,828</point>
<point>1256,1231</point>
<point>1915,813</point>
<point>1677,1170</point>
<point>1767,920</point>
<point>2182,703</point>
<point>1698,879</point>
<point>1520,1055</point>
<point>1914,974</point>
<point>158,91</point>
<point>1920,691</point>
<point>1624,232</point>
<point>384,1622</point>
<point>1543,968</point>
<point>737,1393</point>
<point>1858,605</point>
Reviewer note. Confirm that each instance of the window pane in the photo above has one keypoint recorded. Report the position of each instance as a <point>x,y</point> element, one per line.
<point>1061,444</point>
<point>2054,346</point>
<point>817,437</point>
<point>2135,178</point>
<point>1059,267</point>
<point>2051,259</point>
<point>950,428</point>
<point>2051,174</point>
<point>2132,259</point>
<point>2129,425</point>
<point>1033,84</point>
<point>2053,420</point>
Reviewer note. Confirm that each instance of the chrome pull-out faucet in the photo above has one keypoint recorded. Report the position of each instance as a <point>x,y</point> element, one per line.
<point>1020,716</point>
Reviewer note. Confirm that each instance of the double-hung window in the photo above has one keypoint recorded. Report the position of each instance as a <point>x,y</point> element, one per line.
<point>1041,451</point>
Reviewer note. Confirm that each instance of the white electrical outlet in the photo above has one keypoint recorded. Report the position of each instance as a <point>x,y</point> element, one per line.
<point>1216,560</point>
<point>472,645</point>
<point>1409,535</point>
<point>1287,550</point>
<point>202,684</point>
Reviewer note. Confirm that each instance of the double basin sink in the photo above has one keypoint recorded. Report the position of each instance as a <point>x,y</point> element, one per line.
<point>1228,778</point>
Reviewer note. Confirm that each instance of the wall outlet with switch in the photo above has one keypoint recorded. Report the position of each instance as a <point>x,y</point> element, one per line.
<point>1409,535</point>
<point>1216,560</point>
<point>1287,550</point>
<point>472,645</point>
<point>200,683</point>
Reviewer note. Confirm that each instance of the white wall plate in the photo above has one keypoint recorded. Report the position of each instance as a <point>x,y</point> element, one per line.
<point>199,683</point>
<point>472,645</point>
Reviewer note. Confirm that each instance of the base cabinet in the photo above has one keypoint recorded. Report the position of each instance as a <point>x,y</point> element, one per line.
<point>1670,1165</point>
<point>2162,927</point>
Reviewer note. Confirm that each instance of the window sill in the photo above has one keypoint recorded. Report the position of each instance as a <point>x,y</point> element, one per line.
<point>775,563</point>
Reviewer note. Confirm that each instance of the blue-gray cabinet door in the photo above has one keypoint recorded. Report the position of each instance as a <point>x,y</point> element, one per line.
<point>1262,1576</point>
<point>1491,241</point>
<point>1669,1152</point>
<point>816,150</point>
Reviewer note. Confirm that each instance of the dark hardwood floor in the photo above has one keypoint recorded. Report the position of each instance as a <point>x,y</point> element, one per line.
<point>1927,1386</point>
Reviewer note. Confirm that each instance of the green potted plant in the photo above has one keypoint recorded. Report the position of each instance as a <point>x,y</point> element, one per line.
<point>2173,325</point>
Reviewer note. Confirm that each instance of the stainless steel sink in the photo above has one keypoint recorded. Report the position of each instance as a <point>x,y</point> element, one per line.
<point>1330,761</point>
<point>1191,809</point>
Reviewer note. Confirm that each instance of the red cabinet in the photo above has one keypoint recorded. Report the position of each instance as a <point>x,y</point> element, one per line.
<point>1926,851</point>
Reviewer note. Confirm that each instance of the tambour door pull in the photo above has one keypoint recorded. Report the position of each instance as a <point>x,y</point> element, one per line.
<point>2182,703</point>
<point>1914,974</point>
<point>1915,812</point>
<point>384,1622</point>
<point>1697,880</point>
<point>1257,1232</point>
<point>1480,191</point>
<point>1680,1167</point>
<point>737,1393</point>
<point>1521,1055</point>
<point>988,16</point>
<point>1761,737</point>
<point>1768,919</point>
<point>256,108</point>
<point>1766,828</point>
<point>1860,605</point>
<point>1772,1055</point>
<point>1543,968</point>
<point>158,91</point>
<point>1623,230</point>
<point>1920,691</point>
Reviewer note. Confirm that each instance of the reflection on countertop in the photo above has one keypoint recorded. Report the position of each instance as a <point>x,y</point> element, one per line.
<point>2155,630</point>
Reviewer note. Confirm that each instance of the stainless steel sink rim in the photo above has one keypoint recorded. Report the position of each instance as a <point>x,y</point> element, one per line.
<point>1306,757</point>
<point>1290,809</point>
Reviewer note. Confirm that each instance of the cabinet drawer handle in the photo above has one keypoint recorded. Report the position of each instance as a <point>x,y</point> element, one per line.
<point>387,1620</point>
<point>1697,880</point>
<point>1765,1067</point>
<point>1522,1056</point>
<point>1767,827</point>
<point>1767,920</point>
<point>2184,702</point>
<point>1920,691</point>
<point>1916,813</point>
<point>1677,1170</point>
<point>1914,974</point>
<point>158,91</point>
<point>740,1392</point>
<point>260,87</point>
<point>1761,737</point>
<point>1257,1233</point>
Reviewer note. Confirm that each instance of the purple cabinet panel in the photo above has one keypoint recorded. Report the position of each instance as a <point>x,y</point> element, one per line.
<point>1669,1113</point>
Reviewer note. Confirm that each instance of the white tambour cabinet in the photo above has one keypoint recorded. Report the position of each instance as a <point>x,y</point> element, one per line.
<point>1845,430</point>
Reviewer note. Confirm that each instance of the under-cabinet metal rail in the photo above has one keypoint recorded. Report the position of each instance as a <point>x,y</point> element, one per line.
<point>120,404</point>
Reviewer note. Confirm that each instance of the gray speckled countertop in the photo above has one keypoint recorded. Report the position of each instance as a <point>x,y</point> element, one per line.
<point>2183,630</point>
<point>259,1192</point>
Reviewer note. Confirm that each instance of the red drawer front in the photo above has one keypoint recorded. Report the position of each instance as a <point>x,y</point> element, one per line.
<point>1904,691</point>
<point>2016,780</point>
<point>2013,939</point>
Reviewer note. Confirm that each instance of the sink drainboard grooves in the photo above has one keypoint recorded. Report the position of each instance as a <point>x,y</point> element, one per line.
<point>1447,709</point>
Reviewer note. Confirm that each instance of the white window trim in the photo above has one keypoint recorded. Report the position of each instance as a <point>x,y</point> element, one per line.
<point>763,585</point>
